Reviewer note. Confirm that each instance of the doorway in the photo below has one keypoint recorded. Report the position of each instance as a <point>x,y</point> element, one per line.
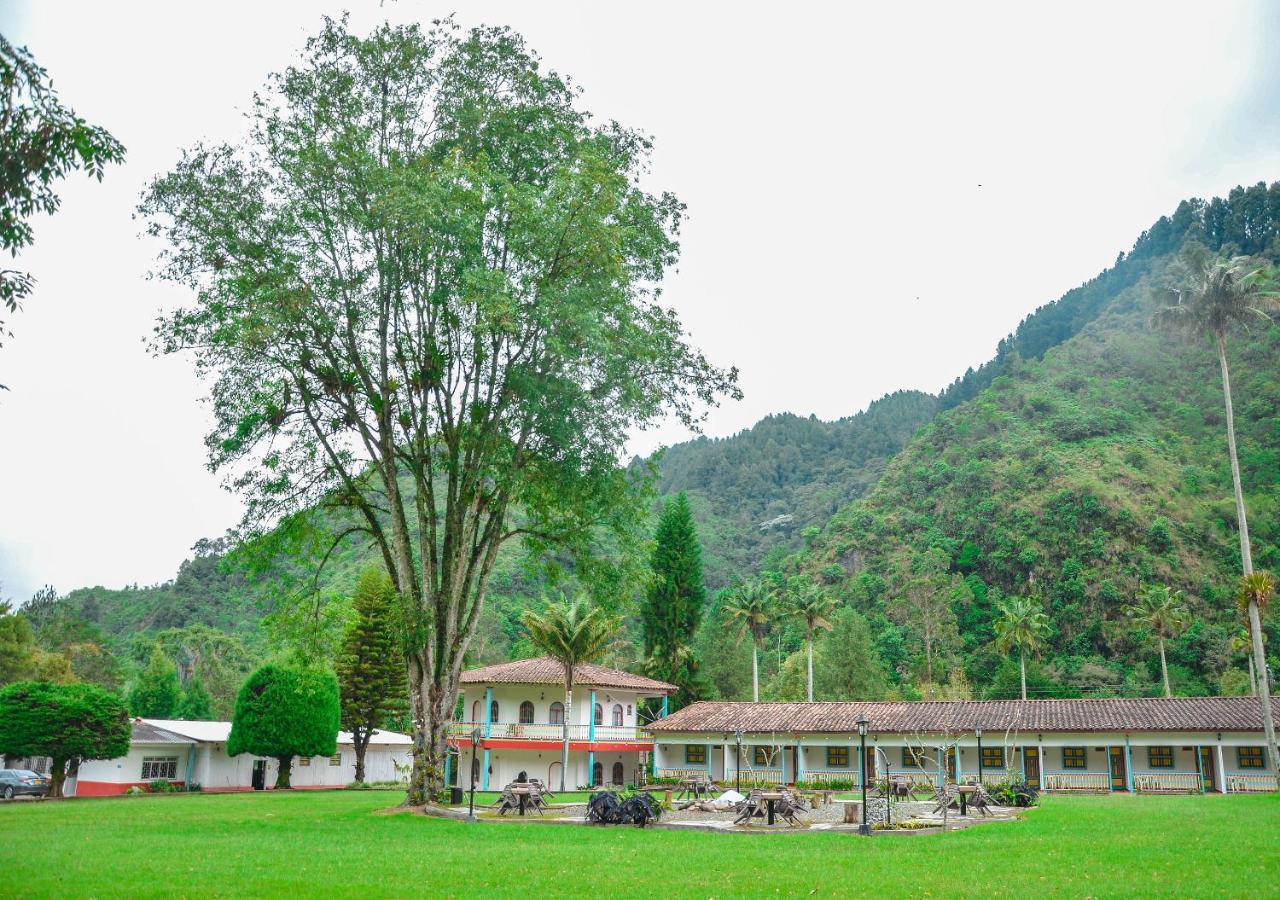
<point>259,780</point>
<point>1119,770</point>
<point>1208,769</point>
<point>1031,766</point>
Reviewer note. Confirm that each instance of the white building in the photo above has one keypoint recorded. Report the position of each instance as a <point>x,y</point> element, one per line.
<point>1141,745</point>
<point>518,710</point>
<point>195,753</point>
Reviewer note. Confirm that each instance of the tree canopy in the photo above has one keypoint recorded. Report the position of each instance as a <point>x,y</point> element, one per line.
<point>285,712</point>
<point>62,721</point>
<point>674,602</point>
<point>156,692</point>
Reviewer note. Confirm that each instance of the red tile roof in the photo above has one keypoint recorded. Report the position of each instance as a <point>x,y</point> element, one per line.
<point>906,717</point>
<point>545,670</point>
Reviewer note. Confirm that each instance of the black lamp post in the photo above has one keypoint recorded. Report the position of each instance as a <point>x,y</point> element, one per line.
<point>737,762</point>
<point>864,828</point>
<point>977,729</point>
<point>471,804</point>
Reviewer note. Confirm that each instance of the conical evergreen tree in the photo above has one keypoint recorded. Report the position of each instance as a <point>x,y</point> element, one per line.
<point>673,607</point>
<point>156,691</point>
<point>371,672</point>
<point>195,705</point>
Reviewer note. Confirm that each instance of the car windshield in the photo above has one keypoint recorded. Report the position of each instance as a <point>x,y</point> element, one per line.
<point>26,773</point>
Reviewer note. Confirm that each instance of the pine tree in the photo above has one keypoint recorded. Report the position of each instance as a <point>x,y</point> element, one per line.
<point>371,672</point>
<point>195,705</point>
<point>673,607</point>
<point>156,691</point>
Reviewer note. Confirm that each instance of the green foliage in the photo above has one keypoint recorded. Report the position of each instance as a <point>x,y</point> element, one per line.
<point>285,712</point>
<point>195,705</point>
<point>847,666</point>
<point>156,692</point>
<point>370,668</point>
<point>62,721</point>
<point>673,606</point>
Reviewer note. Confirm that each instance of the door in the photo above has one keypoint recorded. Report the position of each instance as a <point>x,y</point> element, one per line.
<point>1208,769</point>
<point>1031,766</point>
<point>870,769</point>
<point>259,780</point>
<point>553,776</point>
<point>1119,774</point>
<point>951,765</point>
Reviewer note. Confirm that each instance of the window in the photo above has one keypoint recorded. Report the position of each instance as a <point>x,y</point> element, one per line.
<point>304,760</point>
<point>557,713</point>
<point>598,715</point>
<point>493,711</point>
<point>993,757</point>
<point>913,757</point>
<point>1160,757</point>
<point>526,712</point>
<point>618,773</point>
<point>617,714</point>
<point>159,767</point>
<point>1074,758</point>
<point>762,756</point>
<point>335,760</point>
<point>1250,757</point>
<point>838,757</point>
<point>695,754</point>
<point>597,774</point>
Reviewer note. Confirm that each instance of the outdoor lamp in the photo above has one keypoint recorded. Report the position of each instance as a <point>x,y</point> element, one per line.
<point>737,762</point>
<point>864,828</point>
<point>977,729</point>
<point>471,803</point>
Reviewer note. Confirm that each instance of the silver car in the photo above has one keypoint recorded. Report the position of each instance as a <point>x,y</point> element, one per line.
<point>22,782</point>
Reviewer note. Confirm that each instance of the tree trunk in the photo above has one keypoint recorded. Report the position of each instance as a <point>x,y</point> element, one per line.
<point>928,666</point>
<point>1253,675</point>
<point>361,745</point>
<point>1022,666</point>
<point>755,674</point>
<point>810,668</point>
<point>57,775</point>
<point>568,712</point>
<point>282,773</point>
<point>1164,671</point>
<point>432,706</point>
<point>1246,559</point>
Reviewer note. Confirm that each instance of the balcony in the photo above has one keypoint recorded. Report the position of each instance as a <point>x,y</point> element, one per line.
<point>541,731</point>
<point>1167,783</point>
<point>1097,782</point>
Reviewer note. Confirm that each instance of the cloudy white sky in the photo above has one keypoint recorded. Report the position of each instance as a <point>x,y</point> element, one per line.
<point>878,193</point>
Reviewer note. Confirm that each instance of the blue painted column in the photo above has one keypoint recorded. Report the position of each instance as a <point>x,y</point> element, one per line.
<point>591,738</point>
<point>959,767</point>
<point>710,756</point>
<point>665,701</point>
<point>1128,764</point>
<point>448,763</point>
<point>799,762</point>
<point>784,765</point>
<point>488,729</point>
<point>1199,767</point>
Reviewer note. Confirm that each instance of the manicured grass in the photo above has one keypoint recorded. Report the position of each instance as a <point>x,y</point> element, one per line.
<point>334,844</point>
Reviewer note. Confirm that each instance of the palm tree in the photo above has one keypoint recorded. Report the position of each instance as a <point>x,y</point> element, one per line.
<point>750,608</point>
<point>570,632</point>
<point>1160,610</point>
<point>1254,595</point>
<point>1241,642</point>
<point>1214,296</point>
<point>815,607</point>
<point>1024,625</point>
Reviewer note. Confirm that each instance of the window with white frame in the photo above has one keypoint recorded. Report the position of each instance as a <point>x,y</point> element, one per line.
<point>159,767</point>
<point>335,760</point>
<point>304,760</point>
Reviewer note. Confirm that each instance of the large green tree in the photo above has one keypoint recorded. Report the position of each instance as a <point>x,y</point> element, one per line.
<point>1216,295</point>
<point>156,691</point>
<point>426,294</point>
<point>196,705</point>
<point>674,602</point>
<point>570,632</point>
<point>285,712</point>
<point>849,667</point>
<point>41,142</point>
<point>1023,626</point>
<point>369,667</point>
<point>925,605</point>
<point>63,722</point>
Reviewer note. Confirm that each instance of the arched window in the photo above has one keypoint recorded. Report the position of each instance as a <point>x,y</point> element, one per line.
<point>599,715</point>
<point>557,713</point>
<point>617,714</point>
<point>493,711</point>
<point>526,712</point>
<point>597,774</point>
<point>475,711</point>
<point>618,775</point>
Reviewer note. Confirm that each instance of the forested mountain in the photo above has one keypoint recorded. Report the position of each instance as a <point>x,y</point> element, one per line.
<point>1086,458</point>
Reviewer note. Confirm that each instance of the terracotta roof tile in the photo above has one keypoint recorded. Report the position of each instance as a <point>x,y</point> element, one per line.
<point>904,717</point>
<point>545,670</point>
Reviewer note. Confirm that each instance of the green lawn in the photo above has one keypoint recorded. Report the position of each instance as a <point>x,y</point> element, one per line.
<point>333,844</point>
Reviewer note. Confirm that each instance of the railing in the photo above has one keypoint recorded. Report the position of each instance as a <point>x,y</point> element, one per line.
<point>1166,782</point>
<point>1252,784</point>
<point>545,732</point>
<point>756,776</point>
<point>822,776</point>
<point>682,773</point>
<point>1077,781</point>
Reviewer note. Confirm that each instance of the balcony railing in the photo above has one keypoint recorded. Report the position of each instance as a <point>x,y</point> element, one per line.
<point>542,731</point>
<point>1077,781</point>
<point>1167,782</point>
<point>1252,784</point>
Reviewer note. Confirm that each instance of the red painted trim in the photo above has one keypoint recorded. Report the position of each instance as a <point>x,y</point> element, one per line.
<point>580,746</point>
<point>115,789</point>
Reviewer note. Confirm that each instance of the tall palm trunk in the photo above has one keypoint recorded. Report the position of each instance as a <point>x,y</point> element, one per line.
<point>1164,670</point>
<point>811,667</point>
<point>1246,558</point>
<point>568,714</point>
<point>1253,678</point>
<point>1022,670</point>
<point>755,673</point>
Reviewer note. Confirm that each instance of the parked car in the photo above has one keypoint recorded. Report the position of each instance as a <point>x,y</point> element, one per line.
<point>19,782</point>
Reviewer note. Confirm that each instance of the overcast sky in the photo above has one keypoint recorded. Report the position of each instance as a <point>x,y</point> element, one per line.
<point>878,193</point>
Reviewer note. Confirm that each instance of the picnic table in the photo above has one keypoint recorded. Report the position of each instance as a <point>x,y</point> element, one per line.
<point>522,796</point>
<point>696,786</point>
<point>771,798</point>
